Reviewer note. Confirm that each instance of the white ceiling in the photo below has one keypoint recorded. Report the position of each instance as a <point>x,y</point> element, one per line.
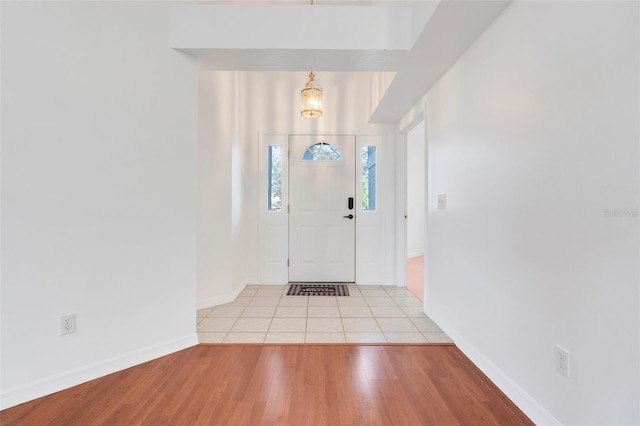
<point>418,40</point>
<point>319,2</point>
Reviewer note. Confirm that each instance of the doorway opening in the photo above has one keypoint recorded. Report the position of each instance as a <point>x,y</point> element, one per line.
<point>416,205</point>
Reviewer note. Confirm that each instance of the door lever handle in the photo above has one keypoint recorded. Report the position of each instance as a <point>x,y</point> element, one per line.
<point>348,216</point>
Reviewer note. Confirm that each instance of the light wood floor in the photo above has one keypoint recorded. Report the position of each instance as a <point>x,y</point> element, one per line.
<point>284,385</point>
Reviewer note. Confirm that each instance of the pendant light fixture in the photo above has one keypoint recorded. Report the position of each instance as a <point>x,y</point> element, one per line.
<point>311,100</point>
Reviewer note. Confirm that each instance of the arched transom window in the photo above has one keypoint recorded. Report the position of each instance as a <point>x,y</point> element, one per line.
<point>322,151</point>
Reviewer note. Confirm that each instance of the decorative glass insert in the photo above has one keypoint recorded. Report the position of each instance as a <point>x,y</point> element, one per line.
<point>322,151</point>
<point>274,196</point>
<point>368,156</point>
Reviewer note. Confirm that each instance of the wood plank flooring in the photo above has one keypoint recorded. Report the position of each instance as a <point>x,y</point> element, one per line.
<point>284,385</point>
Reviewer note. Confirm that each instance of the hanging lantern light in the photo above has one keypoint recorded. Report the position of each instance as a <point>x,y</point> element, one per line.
<point>311,100</point>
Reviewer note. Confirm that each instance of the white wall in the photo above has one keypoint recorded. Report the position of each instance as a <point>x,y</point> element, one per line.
<point>415,190</point>
<point>98,192</point>
<point>216,98</point>
<point>533,136</point>
<point>227,229</point>
<point>298,27</point>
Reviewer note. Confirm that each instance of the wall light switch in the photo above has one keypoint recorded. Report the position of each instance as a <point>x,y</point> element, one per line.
<point>442,201</point>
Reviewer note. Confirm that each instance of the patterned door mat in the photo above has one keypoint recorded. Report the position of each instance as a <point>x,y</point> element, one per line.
<point>318,290</point>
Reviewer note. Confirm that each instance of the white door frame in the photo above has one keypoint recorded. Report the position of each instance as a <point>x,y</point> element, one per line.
<point>375,230</point>
<point>415,117</point>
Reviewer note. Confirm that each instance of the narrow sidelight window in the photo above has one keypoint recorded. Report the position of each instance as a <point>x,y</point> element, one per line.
<point>274,196</point>
<point>369,178</point>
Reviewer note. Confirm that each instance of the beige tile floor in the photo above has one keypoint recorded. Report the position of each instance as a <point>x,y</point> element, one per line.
<point>370,314</point>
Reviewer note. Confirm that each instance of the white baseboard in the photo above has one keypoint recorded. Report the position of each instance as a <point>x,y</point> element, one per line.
<point>510,388</point>
<point>48,385</point>
<point>221,299</point>
<point>365,283</point>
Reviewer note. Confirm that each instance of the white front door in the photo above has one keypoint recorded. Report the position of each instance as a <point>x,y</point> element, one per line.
<point>322,208</point>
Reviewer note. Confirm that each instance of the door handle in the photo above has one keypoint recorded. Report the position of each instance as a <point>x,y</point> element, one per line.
<point>348,216</point>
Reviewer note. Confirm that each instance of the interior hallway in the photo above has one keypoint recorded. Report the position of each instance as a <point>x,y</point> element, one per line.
<point>370,314</point>
<point>134,193</point>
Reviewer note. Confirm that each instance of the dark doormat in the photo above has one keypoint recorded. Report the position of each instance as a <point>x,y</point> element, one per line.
<point>318,290</point>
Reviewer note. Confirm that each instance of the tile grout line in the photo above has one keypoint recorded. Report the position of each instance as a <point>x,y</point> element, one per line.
<point>376,320</point>
<point>237,318</point>
<point>307,306</point>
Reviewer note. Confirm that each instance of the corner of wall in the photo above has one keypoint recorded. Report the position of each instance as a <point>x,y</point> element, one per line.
<point>222,298</point>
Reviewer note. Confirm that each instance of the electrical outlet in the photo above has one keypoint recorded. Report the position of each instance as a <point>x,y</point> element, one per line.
<point>68,324</point>
<point>562,360</point>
